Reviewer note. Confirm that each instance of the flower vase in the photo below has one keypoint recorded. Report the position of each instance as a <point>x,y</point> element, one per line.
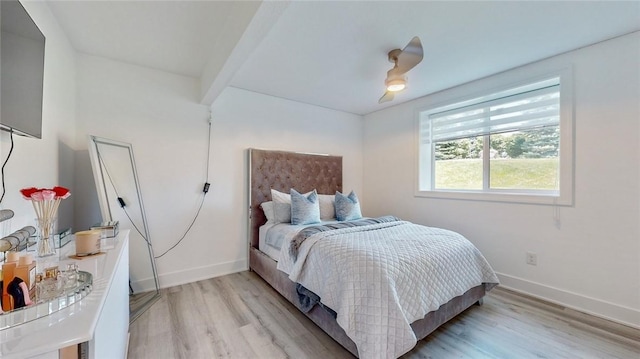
<point>45,246</point>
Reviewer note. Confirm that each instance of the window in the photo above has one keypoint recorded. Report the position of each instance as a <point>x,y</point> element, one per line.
<point>508,145</point>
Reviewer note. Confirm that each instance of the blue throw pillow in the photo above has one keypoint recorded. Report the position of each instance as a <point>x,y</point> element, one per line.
<point>347,207</point>
<point>305,209</point>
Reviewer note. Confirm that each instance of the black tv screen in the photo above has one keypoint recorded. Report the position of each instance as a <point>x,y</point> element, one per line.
<point>21,71</point>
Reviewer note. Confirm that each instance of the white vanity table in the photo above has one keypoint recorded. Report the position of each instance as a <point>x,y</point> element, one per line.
<point>97,325</point>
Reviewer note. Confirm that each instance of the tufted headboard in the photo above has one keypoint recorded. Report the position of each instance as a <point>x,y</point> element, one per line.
<point>282,171</point>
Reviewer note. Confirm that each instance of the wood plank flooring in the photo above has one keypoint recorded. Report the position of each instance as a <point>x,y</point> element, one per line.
<point>240,316</point>
<point>139,302</point>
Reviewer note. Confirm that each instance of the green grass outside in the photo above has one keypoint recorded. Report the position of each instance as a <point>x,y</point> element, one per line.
<point>511,173</point>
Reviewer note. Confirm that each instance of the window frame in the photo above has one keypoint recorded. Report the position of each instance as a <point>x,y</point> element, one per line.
<point>484,89</point>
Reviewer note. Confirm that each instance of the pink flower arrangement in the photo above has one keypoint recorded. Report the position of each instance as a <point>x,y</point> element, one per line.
<point>45,203</point>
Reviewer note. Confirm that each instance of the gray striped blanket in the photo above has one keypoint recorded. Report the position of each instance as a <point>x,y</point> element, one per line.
<point>307,232</point>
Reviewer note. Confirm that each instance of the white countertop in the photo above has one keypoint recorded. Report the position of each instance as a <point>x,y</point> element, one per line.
<point>76,323</point>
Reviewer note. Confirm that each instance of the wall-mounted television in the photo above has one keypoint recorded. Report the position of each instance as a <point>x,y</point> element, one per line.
<point>21,71</point>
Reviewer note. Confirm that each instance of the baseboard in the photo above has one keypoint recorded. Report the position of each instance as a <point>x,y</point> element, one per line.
<point>592,306</point>
<point>190,275</point>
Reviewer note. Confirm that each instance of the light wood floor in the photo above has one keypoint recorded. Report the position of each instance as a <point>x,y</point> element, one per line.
<point>240,316</point>
<point>139,302</point>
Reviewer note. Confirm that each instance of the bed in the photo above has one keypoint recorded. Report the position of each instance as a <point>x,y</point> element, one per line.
<point>282,171</point>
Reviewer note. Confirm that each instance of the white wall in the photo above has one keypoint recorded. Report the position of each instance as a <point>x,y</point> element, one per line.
<point>45,162</point>
<point>160,115</point>
<point>244,119</point>
<point>592,261</point>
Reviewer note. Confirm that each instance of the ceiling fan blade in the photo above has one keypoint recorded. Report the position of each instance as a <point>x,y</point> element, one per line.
<point>410,56</point>
<point>388,96</point>
<point>394,73</point>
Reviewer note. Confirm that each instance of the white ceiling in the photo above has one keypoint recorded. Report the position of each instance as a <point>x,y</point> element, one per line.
<point>174,36</point>
<point>334,53</point>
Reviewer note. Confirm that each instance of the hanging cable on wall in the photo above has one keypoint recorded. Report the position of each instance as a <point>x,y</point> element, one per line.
<point>4,188</point>
<point>205,189</point>
<point>123,205</point>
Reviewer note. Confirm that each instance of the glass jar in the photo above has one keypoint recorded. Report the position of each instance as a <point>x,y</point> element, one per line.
<point>71,275</point>
<point>45,230</point>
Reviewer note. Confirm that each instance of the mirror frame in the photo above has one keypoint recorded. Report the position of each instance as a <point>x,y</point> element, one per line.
<point>99,172</point>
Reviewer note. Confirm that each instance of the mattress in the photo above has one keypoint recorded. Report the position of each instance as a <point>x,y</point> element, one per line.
<point>271,251</point>
<point>271,236</point>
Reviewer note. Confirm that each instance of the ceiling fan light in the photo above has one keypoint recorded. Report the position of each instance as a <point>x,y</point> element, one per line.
<point>396,85</point>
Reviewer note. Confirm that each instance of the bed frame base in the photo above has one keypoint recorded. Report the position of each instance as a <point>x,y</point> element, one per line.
<point>265,267</point>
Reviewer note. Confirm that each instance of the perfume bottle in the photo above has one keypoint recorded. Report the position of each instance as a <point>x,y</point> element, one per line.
<point>71,276</point>
<point>51,285</point>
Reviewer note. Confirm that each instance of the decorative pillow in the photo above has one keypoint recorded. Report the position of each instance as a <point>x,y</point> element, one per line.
<point>267,208</point>
<point>305,209</point>
<point>282,206</point>
<point>327,206</point>
<point>347,207</point>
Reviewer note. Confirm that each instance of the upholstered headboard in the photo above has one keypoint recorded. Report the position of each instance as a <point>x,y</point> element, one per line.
<point>282,171</point>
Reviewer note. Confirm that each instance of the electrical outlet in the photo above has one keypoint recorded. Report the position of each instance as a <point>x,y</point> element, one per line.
<point>532,259</point>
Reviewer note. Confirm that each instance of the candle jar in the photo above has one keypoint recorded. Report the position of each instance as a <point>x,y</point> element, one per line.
<point>45,245</point>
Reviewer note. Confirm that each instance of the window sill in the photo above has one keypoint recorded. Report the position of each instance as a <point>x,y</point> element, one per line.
<point>505,197</point>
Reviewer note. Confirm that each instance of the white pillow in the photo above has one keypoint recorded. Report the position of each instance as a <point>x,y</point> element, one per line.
<point>282,206</point>
<point>280,197</point>
<point>267,208</point>
<point>327,206</point>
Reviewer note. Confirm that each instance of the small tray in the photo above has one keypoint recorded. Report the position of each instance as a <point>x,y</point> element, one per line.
<point>85,256</point>
<point>41,309</point>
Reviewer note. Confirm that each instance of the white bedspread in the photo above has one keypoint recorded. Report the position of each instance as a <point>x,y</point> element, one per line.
<point>380,278</point>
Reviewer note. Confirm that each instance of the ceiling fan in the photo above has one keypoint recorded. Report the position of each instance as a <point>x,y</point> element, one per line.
<point>403,60</point>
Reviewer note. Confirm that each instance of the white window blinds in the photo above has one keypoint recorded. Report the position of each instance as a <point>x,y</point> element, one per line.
<point>533,106</point>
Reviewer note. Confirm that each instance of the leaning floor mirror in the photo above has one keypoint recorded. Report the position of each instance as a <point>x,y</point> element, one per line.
<point>120,198</point>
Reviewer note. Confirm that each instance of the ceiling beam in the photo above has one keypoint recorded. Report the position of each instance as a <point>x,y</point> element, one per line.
<point>215,76</point>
